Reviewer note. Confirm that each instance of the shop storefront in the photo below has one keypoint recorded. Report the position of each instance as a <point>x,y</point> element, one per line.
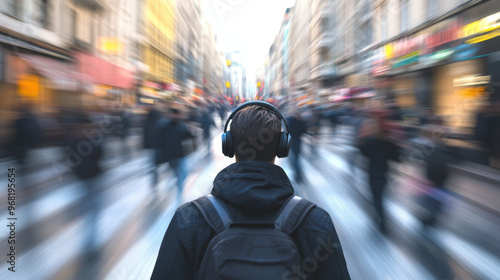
<point>149,93</point>
<point>113,85</point>
<point>446,67</point>
<point>23,80</point>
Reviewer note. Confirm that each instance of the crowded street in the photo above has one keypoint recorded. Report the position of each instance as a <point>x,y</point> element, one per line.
<point>133,216</point>
<point>250,140</point>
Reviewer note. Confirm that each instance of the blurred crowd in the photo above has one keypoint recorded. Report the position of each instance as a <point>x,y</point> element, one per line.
<point>170,131</point>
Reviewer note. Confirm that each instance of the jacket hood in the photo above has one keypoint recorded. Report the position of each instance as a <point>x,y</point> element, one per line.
<point>254,188</point>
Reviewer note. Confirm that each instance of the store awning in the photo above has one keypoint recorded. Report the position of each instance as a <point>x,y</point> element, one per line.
<point>104,72</point>
<point>62,75</point>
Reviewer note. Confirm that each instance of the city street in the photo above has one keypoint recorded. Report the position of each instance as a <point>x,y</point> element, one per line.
<point>389,112</point>
<point>53,222</point>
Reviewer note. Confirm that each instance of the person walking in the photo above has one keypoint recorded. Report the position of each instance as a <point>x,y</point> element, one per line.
<point>85,155</point>
<point>207,122</point>
<point>379,149</point>
<point>176,142</point>
<point>150,141</point>
<point>298,128</point>
<point>28,135</point>
<point>221,236</point>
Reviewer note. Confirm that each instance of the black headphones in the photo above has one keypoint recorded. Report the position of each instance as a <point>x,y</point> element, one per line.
<point>284,143</point>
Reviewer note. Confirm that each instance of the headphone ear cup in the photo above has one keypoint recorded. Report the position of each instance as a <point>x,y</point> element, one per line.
<point>224,149</point>
<point>288,143</point>
<point>283,145</point>
<point>227,144</point>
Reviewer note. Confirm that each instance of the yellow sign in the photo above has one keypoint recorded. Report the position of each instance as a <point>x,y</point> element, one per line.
<point>110,45</point>
<point>483,25</point>
<point>258,84</point>
<point>228,84</point>
<point>389,51</point>
<point>472,92</point>
<point>29,85</point>
<point>484,37</point>
<point>228,62</point>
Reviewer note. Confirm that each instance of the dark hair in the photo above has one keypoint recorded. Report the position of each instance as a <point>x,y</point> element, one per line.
<point>255,132</point>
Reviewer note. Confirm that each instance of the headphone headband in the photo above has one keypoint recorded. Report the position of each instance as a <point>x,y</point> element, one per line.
<point>263,104</point>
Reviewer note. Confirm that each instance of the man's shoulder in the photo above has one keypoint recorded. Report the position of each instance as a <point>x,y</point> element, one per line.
<point>317,220</point>
<point>188,216</point>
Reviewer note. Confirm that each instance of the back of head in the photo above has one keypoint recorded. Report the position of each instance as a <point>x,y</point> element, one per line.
<point>255,131</point>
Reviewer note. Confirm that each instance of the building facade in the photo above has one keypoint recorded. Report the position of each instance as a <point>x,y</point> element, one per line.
<point>299,46</point>
<point>440,58</point>
<point>159,48</point>
<point>189,32</point>
<point>415,53</point>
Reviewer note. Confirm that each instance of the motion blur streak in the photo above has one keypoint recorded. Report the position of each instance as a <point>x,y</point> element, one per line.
<point>112,112</point>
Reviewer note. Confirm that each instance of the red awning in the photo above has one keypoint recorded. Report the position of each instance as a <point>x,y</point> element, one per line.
<point>63,75</point>
<point>104,72</point>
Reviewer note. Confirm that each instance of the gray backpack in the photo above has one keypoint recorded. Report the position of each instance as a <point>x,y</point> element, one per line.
<point>247,251</point>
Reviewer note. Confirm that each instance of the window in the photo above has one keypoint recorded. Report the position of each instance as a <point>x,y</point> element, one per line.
<point>73,24</point>
<point>384,22</point>
<point>365,35</point>
<point>432,8</point>
<point>44,17</point>
<point>11,7</point>
<point>404,15</point>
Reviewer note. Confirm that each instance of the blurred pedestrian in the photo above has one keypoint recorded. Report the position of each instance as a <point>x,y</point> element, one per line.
<point>376,145</point>
<point>222,112</point>
<point>488,131</point>
<point>297,128</point>
<point>333,117</point>
<point>176,142</point>
<point>395,113</point>
<point>151,141</point>
<point>28,134</point>
<point>125,123</point>
<point>84,157</point>
<point>357,120</point>
<point>437,157</point>
<point>237,232</point>
<point>207,122</point>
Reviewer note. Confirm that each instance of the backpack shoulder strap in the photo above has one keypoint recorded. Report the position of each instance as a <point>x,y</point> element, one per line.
<point>214,212</point>
<point>292,214</point>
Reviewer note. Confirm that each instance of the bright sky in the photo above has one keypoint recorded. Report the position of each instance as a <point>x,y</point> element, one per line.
<point>246,25</point>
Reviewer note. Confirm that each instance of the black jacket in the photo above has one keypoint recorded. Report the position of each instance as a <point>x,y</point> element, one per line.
<point>151,132</point>
<point>253,191</point>
<point>28,131</point>
<point>85,165</point>
<point>297,128</point>
<point>173,136</point>
<point>206,121</point>
<point>378,151</point>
